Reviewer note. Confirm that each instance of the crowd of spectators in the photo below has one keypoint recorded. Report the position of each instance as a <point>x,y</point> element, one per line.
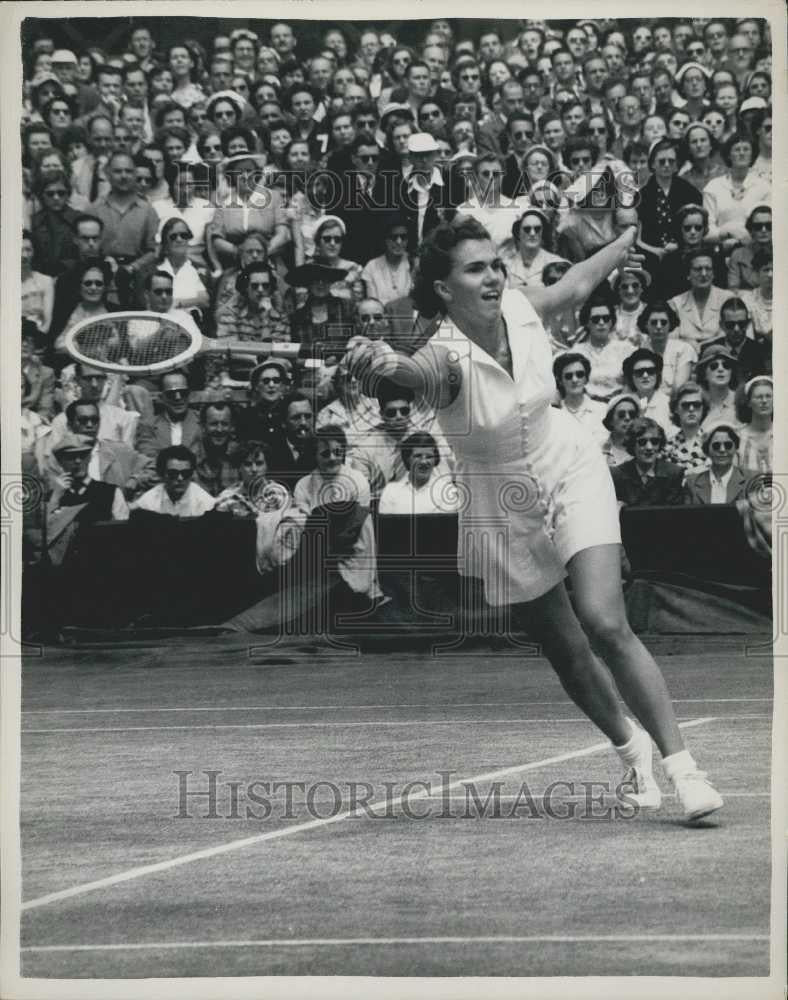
<point>264,190</point>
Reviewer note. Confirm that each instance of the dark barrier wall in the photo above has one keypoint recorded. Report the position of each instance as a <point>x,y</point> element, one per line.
<point>156,570</point>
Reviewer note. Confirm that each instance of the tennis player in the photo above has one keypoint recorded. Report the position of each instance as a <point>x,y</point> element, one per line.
<point>526,465</point>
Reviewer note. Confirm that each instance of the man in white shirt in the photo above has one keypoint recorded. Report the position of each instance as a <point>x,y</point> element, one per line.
<point>177,495</point>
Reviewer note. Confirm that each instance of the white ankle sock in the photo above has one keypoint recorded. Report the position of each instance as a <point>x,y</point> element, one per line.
<point>679,764</point>
<point>628,751</point>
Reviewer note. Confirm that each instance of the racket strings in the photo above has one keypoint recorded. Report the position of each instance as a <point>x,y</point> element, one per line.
<point>136,342</point>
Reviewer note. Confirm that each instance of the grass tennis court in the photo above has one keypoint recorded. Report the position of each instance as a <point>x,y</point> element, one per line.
<point>110,889</point>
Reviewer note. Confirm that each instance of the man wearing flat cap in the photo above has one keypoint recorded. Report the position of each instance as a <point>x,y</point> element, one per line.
<point>74,487</point>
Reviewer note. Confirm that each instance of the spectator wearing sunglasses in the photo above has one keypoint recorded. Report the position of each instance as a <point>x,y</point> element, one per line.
<point>760,302</point>
<point>662,196</point>
<point>621,411</point>
<point>251,314</point>
<point>642,372</point>
<point>600,344</point>
<point>647,480</point>
<point>188,185</point>
<point>388,276</point>
<point>724,481</point>
<point>189,289</point>
<point>741,274</point>
<point>177,495</point>
<point>671,273</point>
<point>571,373</point>
<point>717,374</point>
<point>688,409</point>
<point>176,424</point>
<point>532,234</point>
<point>731,198</point>
<point>487,203</point>
<point>751,357</point>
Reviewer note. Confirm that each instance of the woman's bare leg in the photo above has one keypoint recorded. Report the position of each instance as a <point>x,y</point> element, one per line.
<point>596,588</point>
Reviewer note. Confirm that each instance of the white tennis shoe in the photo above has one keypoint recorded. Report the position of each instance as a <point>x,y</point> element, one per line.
<point>696,794</point>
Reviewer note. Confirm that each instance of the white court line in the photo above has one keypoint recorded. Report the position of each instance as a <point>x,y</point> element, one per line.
<point>379,723</point>
<point>288,831</point>
<point>351,942</point>
<point>346,707</point>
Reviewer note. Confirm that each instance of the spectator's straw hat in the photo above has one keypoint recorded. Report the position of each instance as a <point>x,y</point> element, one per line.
<point>282,364</point>
<point>64,57</point>
<point>422,142</point>
<point>688,66</point>
<point>73,444</point>
<point>607,420</point>
<point>753,104</point>
<point>304,275</point>
<point>394,108</point>
<point>712,352</point>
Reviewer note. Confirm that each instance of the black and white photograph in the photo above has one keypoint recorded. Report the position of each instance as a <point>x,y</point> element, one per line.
<point>394,511</point>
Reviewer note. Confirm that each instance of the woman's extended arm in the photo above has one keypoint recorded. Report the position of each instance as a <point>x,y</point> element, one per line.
<point>578,283</point>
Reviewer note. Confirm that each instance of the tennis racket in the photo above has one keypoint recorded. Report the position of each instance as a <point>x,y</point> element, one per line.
<point>149,343</point>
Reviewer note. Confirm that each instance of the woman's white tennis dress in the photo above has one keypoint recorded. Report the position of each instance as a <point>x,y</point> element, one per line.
<point>535,487</point>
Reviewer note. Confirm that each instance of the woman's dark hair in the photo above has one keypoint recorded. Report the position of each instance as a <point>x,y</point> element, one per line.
<point>332,432</point>
<point>762,75</point>
<point>750,217</point>
<point>164,109</point>
<point>175,452</point>
<point>688,388</point>
<point>641,148</point>
<point>388,390</point>
<point>585,126</point>
<point>256,267</point>
<point>733,140</point>
<point>685,147</point>
<point>248,449</point>
<point>163,134</point>
<point>64,98</point>
<point>602,295</point>
<point>41,183</point>
<point>563,361</point>
<point>421,439</point>
<point>640,426</point>
<point>238,132</point>
<point>657,306</point>
<point>210,107</point>
<point>435,260</point>
<point>685,210</point>
<point>727,429</point>
<point>641,354</point>
<point>194,68</point>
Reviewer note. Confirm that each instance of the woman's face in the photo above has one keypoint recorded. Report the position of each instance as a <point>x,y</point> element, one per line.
<point>722,449</point>
<point>75,151</point>
<point>718,373</point>
<point>678,125</point>
<point>343,78</point>
<point>762,400</point>
<point>241,86</point>
<point>237,145</point>
<point>665,164</point>
<point>600,324</point>
<point>49,165</point>
<point>27,253</point>
<point>55,196</point>
<point>654,128</point>
<point>263,93</point>
<point>715,123</point>
<point>699,143</point>
<point>537,166</point>
<point>181,62</point>
<point>574,379</point>
<point>84,69</point>
<point>693,84</point>
<point>400,61</point>
<point>212,149</point>
<point>298,156</point>
<point>741,155</point>
<point>623,415</point>
<point>329,242</point>
<point>59,115</point>
<point>630,290</point>
<point>760,87</point>
<point>727,98</point>
<point>279,139</point>
<point>690,408</point>
<point>174,148</point>
<point>253,467</point>
<point>92,287</point>
<point>342,130</point>
<point>693,229</point>
<point>267,63</point>
<point>469,80</point>
<point>178,240</point>
<point>498,73</point>
<point>554,135</point>
<point>330,457</point>
<point>422,462</point>
<point>644,377</point>
<point>475,283</point>
<point>658,329</point>
<point>531,233</point>
<point>162,83</point>
<point>224,115</point>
